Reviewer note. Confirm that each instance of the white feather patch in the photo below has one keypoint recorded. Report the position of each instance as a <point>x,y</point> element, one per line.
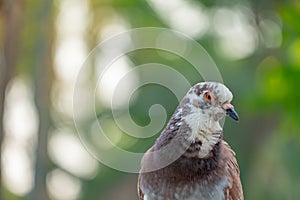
<point>204,128</point>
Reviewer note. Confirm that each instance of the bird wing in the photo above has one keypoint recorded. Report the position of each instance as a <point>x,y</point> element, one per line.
<point>140,193</point>
<point>235,191</point>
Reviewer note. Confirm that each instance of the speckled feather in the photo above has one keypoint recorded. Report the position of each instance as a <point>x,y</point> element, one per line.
<point>206,168</point>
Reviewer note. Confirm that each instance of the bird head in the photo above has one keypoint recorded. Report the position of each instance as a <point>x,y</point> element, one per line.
<point>204,105</point>
<point>212,98</point>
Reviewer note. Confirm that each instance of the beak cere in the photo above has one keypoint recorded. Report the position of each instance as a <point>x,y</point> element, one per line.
<point>232,113</point>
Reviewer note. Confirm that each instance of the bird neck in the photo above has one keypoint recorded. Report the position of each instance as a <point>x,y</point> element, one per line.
<point>204,133</point>
<point>191,138</point>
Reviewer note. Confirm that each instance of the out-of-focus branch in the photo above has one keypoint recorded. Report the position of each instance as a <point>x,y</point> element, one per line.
<point>12,12</point>
<point>43,78</point>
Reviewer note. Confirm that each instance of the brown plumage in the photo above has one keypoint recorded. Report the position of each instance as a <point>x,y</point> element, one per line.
<point>190,161</point>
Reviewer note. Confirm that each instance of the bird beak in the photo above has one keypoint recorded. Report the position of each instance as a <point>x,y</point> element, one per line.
<point>231,112</point>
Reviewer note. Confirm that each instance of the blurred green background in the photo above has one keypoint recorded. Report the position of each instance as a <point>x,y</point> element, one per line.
<point>255,44</point>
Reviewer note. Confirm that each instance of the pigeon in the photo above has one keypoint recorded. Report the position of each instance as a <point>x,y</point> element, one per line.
<point>190,160</point>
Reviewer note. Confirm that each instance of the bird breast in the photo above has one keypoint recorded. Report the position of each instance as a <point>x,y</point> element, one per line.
<point>203,190</point>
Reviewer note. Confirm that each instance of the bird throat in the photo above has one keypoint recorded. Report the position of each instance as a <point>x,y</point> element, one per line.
<point>204,133</point>
<point>202,146</point>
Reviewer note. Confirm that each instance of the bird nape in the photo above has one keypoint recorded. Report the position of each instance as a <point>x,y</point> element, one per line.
<point>190,160</point>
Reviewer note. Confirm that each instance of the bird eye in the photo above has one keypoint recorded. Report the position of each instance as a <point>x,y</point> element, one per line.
<point>208,97</point>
